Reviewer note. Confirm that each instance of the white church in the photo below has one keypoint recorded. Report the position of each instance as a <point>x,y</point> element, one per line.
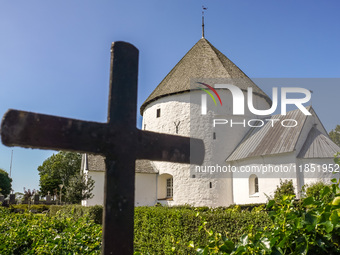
<point>245,158</point>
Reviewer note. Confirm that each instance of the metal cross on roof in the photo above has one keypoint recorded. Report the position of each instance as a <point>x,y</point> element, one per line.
<point>118,140</point>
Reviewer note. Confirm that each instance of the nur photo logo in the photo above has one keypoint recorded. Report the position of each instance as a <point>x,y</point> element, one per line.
<point>239,99</point>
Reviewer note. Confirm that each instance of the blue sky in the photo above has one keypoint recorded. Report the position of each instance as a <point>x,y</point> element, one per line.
<point>54,55</point>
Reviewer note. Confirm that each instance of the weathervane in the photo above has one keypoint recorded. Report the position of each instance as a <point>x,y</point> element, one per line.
<point>203,9</point>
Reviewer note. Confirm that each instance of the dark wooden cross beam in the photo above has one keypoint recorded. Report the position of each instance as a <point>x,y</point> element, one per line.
<point>118,140</point>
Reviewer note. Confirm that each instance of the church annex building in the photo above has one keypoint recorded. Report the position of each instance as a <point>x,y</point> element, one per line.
<point>169,109</point>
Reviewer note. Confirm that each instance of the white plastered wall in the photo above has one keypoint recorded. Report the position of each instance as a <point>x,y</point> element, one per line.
<point>98,190</point>
<point>145,189</point>
<point>203,190</point>
<point>268,170</point>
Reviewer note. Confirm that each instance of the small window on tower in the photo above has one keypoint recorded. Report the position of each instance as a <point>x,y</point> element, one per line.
<point>158,113</point>
<point>214,136</point>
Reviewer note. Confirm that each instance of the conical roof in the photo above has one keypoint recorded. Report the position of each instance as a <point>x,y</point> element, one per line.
<point>203,60</point>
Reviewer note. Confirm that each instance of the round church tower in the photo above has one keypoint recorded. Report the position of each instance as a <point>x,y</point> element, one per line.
<point>171,109</point>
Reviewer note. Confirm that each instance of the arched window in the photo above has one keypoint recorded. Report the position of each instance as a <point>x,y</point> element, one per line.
<point>253,185</point>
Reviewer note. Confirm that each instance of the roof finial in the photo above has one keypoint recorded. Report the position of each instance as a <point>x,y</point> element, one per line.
<point>203,9</point>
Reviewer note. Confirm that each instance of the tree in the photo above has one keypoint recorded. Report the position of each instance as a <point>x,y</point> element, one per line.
<point>79,188</point>
<point>5,183</point>
<point>335,135</point>
<point>58,169</point>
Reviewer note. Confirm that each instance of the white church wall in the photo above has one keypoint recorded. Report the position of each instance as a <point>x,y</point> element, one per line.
<point>203,190</point>
<point>98,190</point>
<point>304,174</point>
<point>231,132</point>
<point>175,108</point>
<point>317,169</point>
<point>186,190</point>
<point>172,109</point>
<point>268,179</point>
<point>145,189</point>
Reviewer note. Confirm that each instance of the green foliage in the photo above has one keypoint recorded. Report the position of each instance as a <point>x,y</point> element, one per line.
<point>314,189</point>
<point>158,230</point>
<point>335,135</point>
<point>246,207</point>
<point>168,230</point>
<point>94,213</point>
<point>42,234</point>
<point>311,227</point>
<point>64,168</point>
<point>216,242</point>
<point>79,188</point>
<point>4,211</point>
<point>33,208</point>
<point>5,183</point>
<point>57,169</point>
<point>286,188</point>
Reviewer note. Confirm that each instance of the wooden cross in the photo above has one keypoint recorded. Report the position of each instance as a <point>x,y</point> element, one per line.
<point>118,140</point>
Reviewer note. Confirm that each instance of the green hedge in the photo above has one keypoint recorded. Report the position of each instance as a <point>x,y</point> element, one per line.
<point>30,233</point>
<point>159,229</point>
<point>77,211</point>
<point>32,208</point>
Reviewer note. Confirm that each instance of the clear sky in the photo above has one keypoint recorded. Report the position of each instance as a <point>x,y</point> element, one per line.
<point>54,55</point>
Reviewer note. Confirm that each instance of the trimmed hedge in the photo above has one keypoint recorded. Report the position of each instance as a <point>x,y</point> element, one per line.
<point>32,208</point>
<point>94,213</point>
<point>158,230</point>
<point>30,233</point>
